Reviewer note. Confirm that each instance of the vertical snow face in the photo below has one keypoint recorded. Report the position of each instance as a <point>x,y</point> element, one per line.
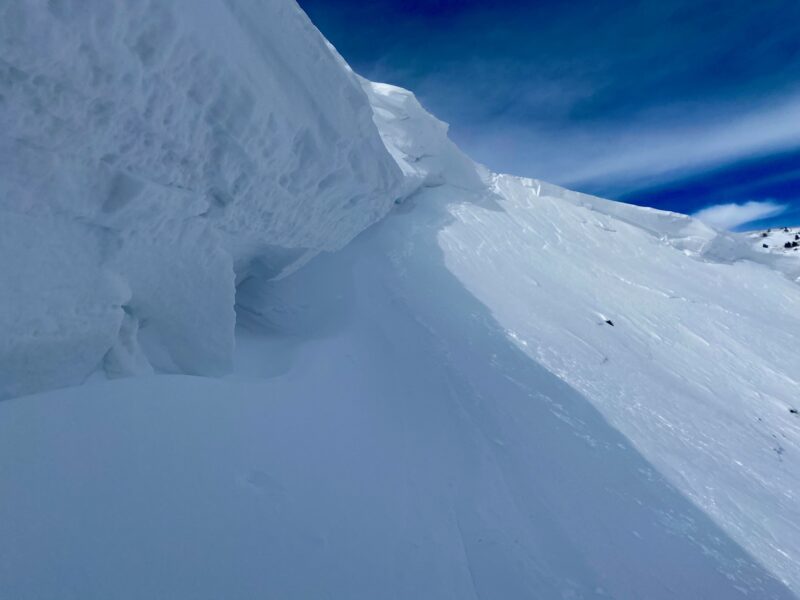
<point>418,142</point>
<point>151,152</point>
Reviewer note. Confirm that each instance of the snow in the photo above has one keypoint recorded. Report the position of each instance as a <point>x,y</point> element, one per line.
<point>780,242</point>
<point>698,371</point>
<point>43,343</point>
<point>383,438</point>
<point>184,145</point>
<point>418,141</point>
<point>440,407</point>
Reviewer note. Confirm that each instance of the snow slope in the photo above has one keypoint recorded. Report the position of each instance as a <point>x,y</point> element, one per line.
<point>502,390</point>
<point>383,437</point>
<point>700,353</point>
<point>172,151</point>
<point>780,251</point>
<point>697,369</point>
<point>778,241</point>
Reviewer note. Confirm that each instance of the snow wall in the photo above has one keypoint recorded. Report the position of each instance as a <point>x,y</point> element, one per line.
<point>152,156</point>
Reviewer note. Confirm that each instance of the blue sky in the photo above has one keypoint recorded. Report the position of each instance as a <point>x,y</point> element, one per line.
<point>676,104</point>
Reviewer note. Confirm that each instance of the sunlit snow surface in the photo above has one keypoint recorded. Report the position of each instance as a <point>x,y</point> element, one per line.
<point>385,436</point>
<point>501,390</point>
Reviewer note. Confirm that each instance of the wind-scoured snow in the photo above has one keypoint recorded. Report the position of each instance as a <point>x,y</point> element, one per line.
<point>681,336</point>
<point>183,147</point>
<point>690,358</point>
<point>503,389</point>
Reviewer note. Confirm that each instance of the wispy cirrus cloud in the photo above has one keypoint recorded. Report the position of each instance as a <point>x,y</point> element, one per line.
<point>733,216</point>
<point>610,98</point>
<point>614,158</point>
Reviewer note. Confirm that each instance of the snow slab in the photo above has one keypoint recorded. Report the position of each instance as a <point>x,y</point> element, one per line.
<point>190,147</point>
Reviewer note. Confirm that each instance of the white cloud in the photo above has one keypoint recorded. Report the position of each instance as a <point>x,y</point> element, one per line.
<point>648,149</point>
<point>731,216</point>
